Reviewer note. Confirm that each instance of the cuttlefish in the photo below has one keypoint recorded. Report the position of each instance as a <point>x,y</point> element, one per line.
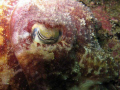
<point>52,45</point>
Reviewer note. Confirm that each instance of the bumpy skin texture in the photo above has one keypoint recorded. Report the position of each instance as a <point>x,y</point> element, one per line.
<point>75,62</point>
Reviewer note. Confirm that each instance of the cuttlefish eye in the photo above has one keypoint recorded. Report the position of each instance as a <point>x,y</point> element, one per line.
<point>41,34</point>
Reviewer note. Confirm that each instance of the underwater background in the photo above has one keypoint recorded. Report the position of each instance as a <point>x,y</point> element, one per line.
<point>69,61</point>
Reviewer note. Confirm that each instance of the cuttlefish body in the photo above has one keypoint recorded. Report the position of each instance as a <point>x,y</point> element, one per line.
<point>55,44</point>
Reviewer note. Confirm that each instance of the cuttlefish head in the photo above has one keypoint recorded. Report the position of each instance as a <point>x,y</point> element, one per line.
<point>48,30</point>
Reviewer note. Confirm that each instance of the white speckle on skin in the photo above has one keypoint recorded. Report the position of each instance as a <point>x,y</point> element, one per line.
<point>82,22</point>
<point>15,40</point>
<point>24,35</point>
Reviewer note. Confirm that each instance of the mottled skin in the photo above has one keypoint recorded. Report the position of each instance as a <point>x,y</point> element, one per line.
<point>75,62</point>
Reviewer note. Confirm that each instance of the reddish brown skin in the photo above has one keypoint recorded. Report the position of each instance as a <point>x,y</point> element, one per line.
<point>23,18</point>
<point>17,21</point>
